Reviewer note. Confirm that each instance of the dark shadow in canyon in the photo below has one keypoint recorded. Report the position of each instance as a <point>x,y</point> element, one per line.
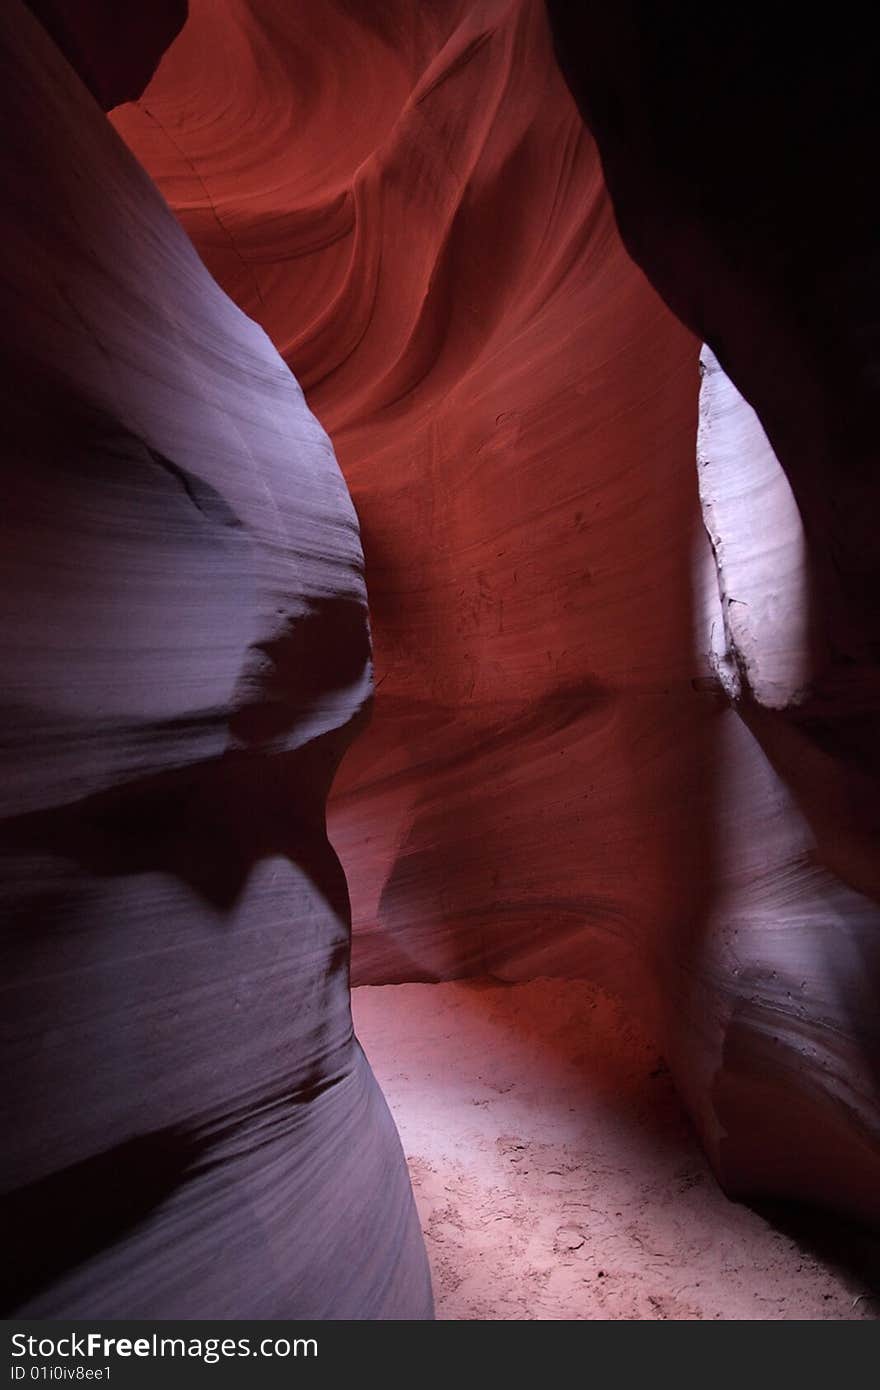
<point>846,1246</point>
<point>51,1226</point>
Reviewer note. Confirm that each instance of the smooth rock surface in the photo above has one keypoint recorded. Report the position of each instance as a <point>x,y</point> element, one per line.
<point>190,1127</point>
<point>555,781</point>
<point>405,198</point>
<point>739,154</point>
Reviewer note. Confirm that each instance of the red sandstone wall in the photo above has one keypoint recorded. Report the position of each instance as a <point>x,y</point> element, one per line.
<point>405,198</point>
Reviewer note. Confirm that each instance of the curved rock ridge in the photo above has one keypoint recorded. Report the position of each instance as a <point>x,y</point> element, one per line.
<point>554,781</point>
<point>191,1128</point>
<point>739,153</point>
<point>405,198</point>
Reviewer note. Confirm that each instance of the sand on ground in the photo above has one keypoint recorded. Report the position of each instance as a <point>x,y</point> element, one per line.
<point>557,1176</point>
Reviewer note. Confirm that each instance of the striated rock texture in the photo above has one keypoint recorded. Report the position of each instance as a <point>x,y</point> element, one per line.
<point>556,780</point>
<point>739,152</point>
<point>792,1109</point>
<point>404,196</point>
<point>190,1128</point>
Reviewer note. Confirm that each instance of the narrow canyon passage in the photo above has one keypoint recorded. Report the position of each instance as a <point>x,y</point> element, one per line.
<point>439,772</point>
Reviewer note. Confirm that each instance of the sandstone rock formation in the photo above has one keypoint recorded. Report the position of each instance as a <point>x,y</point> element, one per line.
<point>190,1128</point>
<point>626,697</point>
<point>556,779</point>
<point>405,198</point>
<point>739,153</point>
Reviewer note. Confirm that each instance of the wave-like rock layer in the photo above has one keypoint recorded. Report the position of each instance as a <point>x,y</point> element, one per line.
<point>190,1127</point>
<point>414,212</point>
<point>556,779</point>
<point>626,708</point>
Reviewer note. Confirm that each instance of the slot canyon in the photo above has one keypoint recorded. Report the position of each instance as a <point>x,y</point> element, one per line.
<point>440,762</point>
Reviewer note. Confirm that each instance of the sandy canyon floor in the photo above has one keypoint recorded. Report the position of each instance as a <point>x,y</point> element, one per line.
<point>557,1176</point>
